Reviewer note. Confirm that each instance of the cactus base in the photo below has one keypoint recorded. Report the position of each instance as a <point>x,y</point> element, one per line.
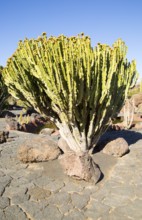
<point>80,166</point>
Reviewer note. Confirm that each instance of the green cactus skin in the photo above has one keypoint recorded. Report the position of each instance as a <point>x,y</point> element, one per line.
<point>80,86</point>
<point>3,91</point>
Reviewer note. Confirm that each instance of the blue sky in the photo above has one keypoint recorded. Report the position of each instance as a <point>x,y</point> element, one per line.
<point>103,20</point>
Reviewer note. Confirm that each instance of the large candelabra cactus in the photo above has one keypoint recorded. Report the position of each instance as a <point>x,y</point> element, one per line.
<point>80,86</point>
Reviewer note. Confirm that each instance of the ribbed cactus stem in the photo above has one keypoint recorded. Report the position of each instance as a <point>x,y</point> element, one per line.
<point>3,91</point>
<point>79,86</point>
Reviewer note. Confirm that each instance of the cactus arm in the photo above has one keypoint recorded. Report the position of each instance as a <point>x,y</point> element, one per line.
<point>81,86</point>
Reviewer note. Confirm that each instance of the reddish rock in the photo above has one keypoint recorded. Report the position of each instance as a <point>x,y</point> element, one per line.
<point>38,149</point>
<point>137,118</point>
<point>32,127</point>
<point>62,144</point>
<point>47,131</point>
<point>80,166</point>
<point>137,99</point>
<point>11,124</point>
<point>117,127</point>
<point>138,126</point>
<point>139,109</point>
<point>56,133</point>
<point>117,147</point>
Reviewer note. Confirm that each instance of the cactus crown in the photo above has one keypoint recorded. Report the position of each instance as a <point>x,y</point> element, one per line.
<point>81,86</point>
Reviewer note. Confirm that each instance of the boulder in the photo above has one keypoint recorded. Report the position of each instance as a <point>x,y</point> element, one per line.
<point>62,144</point>
<point>137,118</point>
<point>47,131</point>
<point>137,99</point>
<point>80,166</point>
<point>117,147</point>
<point>138,126</point>
<point>38,149</point>
<point>117,126</point>
<point>56,133</point>
<point>12,124</point>
<point>139,109</point>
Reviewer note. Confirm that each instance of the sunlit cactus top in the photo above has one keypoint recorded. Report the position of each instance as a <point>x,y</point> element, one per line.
<point>81,86</point>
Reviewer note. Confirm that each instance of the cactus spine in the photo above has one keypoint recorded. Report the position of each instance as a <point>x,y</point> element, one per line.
<point>82,87</point>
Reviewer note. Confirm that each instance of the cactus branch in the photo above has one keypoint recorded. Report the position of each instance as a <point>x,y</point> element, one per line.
<point>80,86</point>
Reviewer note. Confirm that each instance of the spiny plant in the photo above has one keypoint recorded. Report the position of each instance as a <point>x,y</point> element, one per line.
<point>3,92</point>
<point>80,86</point>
